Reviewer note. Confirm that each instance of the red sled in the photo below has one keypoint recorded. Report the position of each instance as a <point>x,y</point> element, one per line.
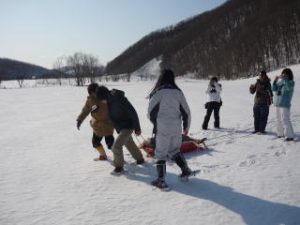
<point>188,147</point>
<point>185,148</point>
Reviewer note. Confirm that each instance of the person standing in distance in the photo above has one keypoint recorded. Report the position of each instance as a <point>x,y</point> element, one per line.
<point>283,87</point>
<point>213,103</point>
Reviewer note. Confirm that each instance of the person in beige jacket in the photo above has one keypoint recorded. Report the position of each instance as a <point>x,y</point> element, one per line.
<point>100,122</point>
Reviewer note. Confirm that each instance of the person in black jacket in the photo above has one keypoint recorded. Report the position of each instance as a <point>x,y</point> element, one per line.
<point>126,121</point>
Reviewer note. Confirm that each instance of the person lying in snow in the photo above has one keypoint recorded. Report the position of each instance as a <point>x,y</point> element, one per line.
<point>189,144</point>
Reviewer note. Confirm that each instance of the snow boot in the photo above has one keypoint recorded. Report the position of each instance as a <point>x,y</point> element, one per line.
<point>117,171</point>
<point>102,153</point>
<point>181,162</point>
<point>102,157</point>
<point>140,161</point>
<point>161,184</point>
<point>161,173</point>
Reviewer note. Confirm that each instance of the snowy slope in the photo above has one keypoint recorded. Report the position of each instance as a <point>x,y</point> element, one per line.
<point>48,176</point>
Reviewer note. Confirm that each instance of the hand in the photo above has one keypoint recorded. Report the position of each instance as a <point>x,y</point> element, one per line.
<point>78,124</point>
<point>185,131</point>
<point>137,132</point>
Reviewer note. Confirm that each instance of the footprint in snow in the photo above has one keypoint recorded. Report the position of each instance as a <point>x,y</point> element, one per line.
<point>251,160</point>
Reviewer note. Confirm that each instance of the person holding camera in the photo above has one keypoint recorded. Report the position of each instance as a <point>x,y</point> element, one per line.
<point>214,102</point>
<point>283,88</point>
<point>262,102</point>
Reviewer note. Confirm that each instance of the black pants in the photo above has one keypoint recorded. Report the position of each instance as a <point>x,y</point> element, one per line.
<point>109,140</point>
<point>212,107</point>
<point>261,113</point>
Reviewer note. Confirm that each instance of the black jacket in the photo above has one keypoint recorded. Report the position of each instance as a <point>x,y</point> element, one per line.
<point>121,112</point>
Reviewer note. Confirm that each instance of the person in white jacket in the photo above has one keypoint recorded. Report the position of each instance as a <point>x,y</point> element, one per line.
<point>170,114</point>
<point>213,103</point>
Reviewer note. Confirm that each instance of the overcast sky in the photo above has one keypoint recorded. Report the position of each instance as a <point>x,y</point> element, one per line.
<point>39,31</point>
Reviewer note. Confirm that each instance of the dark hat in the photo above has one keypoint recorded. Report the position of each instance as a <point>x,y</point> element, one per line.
<point>102,93</point>
<point>263,72</point>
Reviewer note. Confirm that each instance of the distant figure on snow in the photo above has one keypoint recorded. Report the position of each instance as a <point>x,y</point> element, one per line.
<point>100,122</point>
<point>213,103</point>
<point>126,121</point>
<point>262,101</point>
<point>167,111</point>
<point>283,87</point>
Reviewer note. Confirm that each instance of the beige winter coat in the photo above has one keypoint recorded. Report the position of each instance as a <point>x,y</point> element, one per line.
<point>100,121</point>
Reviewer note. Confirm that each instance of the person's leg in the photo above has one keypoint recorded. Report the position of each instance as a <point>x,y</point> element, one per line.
<point>117,150</point>
<point>177,156</point>
<point>217,107</point>
<point>279,125</point>
<point>264,114</point>
<point>256,115</point>
<point>207,116</point>
<point>134,150</point>
<point>109,140</point>
<point>161,152</point>
<point>96,140</point>
<point>288,128</point>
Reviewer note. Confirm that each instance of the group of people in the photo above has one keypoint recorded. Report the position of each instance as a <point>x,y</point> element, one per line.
<point>170,114</point>
<point>280,94</point>
<point>168,111</point>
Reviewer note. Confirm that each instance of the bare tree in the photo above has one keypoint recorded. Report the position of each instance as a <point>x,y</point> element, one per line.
<point>58,66</point>
<point>20,80</point>
<point>1,77</point>
<point>84,66</point>
<point>75,62</point>
<point>90,64</point>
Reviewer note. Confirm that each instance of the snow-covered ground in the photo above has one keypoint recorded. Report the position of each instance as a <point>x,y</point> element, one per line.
<point>48,176</point>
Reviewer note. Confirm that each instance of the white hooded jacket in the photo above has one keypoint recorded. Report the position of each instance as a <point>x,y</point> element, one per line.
<point>168,111</point>
<point>214,92</point>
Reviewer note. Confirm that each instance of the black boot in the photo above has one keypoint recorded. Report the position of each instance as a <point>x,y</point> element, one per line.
<point>161,173</point>
<point>180,161</point>
<point>161,169</point>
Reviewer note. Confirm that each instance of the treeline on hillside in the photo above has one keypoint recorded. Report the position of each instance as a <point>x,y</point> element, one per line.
<point>236,39</point>
<point>13,69</point>
<point>81,66</point>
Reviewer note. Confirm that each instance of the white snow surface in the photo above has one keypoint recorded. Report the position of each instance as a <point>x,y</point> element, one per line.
<point>48,176</point>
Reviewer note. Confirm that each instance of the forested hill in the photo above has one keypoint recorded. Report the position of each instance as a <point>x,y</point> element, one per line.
<point>237,39</point>
<point>12,69</point>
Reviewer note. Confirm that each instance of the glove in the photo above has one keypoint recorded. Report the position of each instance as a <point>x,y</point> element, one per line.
<point>78,124</point>
<point>213,91</point>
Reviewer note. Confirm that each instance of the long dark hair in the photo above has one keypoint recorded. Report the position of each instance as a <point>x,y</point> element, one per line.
<point>288,73</point>
<point>166,77</point>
